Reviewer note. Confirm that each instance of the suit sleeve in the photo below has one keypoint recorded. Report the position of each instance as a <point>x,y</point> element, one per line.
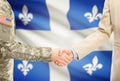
<point>99,37</point>
<point>16,50</point>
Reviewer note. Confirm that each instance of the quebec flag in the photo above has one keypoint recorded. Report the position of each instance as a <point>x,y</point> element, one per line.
<point>60,24</point>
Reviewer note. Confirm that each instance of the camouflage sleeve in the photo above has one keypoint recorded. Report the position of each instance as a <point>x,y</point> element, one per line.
<point>21,51</point>
<point>13,49</point>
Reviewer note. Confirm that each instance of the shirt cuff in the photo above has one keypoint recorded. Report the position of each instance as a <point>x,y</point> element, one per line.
<point>75,55</point>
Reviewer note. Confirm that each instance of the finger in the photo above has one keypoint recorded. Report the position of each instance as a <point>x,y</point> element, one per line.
<point>71,55</point>
<point>65,61</point>
<point>60,52</point>
<point>56,62</point>
<point>61,65</point>
<point>67,57</point>
<point>62,61</point>
<point>68,52</point>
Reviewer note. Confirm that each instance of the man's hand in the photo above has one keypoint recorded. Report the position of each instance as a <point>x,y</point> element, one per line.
<point>62,57</point>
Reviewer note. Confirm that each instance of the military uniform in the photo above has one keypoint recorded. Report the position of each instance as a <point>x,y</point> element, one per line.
<point>10,49</point>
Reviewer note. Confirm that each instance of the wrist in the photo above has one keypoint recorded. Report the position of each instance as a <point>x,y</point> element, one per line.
<point>54,54</point>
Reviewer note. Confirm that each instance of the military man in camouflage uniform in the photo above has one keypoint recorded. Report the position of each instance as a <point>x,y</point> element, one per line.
<point>10,49</point>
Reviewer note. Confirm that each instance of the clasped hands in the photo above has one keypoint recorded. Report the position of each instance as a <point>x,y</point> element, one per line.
<point>62,57</point>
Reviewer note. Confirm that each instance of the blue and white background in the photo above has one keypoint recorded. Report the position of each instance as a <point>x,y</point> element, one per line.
<point>60,23</point>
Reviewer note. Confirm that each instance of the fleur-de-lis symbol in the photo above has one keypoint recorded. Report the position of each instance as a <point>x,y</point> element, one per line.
<point>25,67</point>
<point>94,15</point>
<point>25,16</point>
<point>92,67</point>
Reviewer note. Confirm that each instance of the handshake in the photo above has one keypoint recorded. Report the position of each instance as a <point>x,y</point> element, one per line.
<point>62,57</point>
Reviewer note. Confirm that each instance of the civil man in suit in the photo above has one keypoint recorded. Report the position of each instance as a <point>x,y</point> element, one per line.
<point>109,23</point>
<point>10,49</point>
